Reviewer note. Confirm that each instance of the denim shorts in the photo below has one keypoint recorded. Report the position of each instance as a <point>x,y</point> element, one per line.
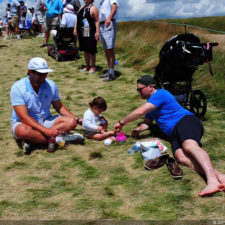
<point>189,127</point>
<point>108,35</point>
<point>49,122</point>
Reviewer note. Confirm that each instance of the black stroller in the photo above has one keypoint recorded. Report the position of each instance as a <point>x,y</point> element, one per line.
<point>63,47</point>
<point>179,59</point>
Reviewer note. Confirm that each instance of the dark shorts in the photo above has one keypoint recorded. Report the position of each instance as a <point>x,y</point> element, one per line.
<point>189,127</point>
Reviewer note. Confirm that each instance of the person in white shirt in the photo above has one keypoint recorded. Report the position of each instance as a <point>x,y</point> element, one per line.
<point>68,17</point>
<point>95,125</point>
<point>108,13</point>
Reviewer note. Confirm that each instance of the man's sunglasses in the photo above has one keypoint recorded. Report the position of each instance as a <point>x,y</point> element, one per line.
<point>140,89</point>
<point>41,74</point>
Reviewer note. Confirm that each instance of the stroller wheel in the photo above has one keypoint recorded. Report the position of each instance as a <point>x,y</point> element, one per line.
<point>58,57</point>
<point>198,103</point>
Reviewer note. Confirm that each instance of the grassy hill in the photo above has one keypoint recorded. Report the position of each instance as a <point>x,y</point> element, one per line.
<point>71,183</point>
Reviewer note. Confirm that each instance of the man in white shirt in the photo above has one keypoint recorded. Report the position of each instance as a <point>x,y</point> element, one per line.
<point>108,12</point>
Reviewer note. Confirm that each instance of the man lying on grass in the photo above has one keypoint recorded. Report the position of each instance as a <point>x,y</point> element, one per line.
<point>182,126</point>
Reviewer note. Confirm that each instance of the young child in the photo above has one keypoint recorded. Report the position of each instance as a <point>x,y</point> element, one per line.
<point>94,125</point>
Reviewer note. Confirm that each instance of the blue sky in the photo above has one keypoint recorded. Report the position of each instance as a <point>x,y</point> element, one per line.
<point>157,9</point>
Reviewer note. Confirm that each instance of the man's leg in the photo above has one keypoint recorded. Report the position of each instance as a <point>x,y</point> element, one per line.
<point>27,133</point>
<point>194,157</point>
<point>110,56</point>
<point>64,123</point>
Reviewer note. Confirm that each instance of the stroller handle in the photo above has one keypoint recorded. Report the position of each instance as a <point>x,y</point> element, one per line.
<point>212,44</point>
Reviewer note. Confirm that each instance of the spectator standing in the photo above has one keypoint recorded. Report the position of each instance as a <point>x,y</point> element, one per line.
<point>87,30</point>
<point>15,13</point>
<point>23,14</point>
<point>108,13</point>
<point>34,25</point>
<point>54,11</point>
<point>39,9</point>
<point>8,13</point>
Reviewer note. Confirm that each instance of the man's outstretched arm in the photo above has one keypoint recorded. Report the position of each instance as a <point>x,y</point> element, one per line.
<point>136,114</point>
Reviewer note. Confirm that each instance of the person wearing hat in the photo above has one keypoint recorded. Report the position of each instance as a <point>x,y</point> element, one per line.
<point>31,98</point>
<point>68,21</point>
<point>183,127</point>
<point>69,17</point>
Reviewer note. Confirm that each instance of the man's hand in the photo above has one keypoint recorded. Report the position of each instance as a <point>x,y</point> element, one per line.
<point>51,132</point>
<point>107,22</point>
<point>117,128</point>
<point>135,133</point>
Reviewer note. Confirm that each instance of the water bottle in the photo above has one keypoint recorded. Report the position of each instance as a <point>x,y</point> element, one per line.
<point>51,144</point>
<point>116,67</point>
<point>109,141</point>
<point>60,140</point>
<point>133,149</point>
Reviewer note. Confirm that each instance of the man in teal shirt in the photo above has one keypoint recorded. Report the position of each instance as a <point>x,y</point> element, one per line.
<point>54,11</point>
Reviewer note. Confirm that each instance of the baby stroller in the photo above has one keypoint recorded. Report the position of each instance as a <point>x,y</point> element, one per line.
<point>179,59</point>
<point>63,47</point>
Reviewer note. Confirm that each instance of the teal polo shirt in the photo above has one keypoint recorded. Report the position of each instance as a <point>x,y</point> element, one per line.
<point>38,104</point>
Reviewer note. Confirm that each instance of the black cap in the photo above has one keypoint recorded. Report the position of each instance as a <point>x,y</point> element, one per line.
<point>146,80</point>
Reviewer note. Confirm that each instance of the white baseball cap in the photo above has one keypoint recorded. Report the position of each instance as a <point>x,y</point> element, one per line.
<point>69,9</point>
<point>39,64</point>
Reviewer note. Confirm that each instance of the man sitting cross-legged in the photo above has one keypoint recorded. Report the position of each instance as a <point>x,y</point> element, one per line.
<point>31,98</point>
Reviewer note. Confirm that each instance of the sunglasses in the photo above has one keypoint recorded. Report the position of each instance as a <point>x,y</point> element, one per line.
<point>140,89</point>
<point>41,74</point>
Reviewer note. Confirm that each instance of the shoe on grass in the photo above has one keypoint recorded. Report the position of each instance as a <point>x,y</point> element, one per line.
<point>92,70</point>
<point>19,143</point>
<point>174,169</point>
<point>156,163</point>
<point>27,148</point>
<point>85,69</point>
<point>109,78</point>
<point>104,75</point>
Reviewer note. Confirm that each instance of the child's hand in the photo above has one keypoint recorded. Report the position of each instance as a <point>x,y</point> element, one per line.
<point>100,129</point>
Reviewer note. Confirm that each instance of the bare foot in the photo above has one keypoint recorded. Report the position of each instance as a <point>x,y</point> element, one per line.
<point>222,187</point>
<point>209,190</point>
<point>221,178</point>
